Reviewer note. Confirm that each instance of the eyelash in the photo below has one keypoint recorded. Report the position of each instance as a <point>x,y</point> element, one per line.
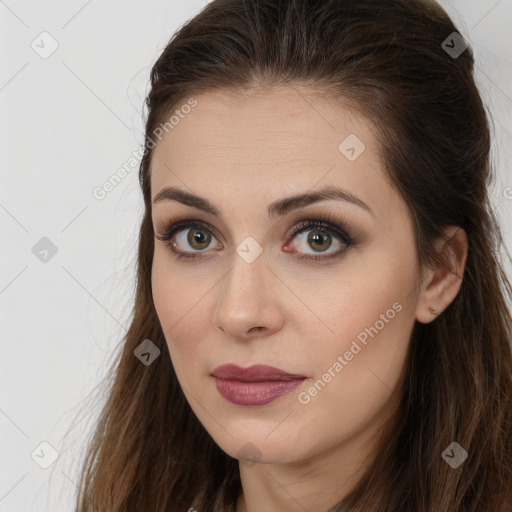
<point>324,225</point>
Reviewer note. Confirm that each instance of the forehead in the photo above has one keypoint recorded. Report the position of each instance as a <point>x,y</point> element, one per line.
<point>266,144</point>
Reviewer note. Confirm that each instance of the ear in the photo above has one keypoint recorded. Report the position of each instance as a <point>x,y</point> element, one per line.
<point>441,284</point>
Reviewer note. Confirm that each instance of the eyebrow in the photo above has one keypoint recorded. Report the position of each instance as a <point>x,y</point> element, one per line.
<point>277,208</point>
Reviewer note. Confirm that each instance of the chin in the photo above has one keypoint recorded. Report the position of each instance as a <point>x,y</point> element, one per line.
<point>258,448</point>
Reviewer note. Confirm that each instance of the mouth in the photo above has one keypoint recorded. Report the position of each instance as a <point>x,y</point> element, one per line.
<point>254,386</point>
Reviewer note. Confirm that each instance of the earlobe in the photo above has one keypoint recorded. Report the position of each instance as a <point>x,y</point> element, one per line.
<point>442,283</point>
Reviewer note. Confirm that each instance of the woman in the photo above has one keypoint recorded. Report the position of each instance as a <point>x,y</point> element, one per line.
<point>320,320</point>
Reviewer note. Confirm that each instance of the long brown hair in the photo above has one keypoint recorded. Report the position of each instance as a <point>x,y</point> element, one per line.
<point>385,58</point>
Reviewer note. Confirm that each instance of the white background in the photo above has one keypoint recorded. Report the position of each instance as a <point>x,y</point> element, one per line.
<point>68,123</point>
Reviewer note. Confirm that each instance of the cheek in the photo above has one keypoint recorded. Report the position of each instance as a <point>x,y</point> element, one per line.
<point>369,297</point>
<point>179,302</point>
<point>178,289</point>
<point>356,374</point>
<point>369,307</point>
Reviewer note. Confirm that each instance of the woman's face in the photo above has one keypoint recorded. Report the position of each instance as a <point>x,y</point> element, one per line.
<point>334,303</point>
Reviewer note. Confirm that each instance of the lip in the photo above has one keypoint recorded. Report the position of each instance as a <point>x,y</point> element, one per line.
<point>254,373</point>
<point>254,386</point>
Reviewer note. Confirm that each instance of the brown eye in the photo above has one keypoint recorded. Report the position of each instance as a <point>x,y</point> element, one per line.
<point>186,239</point>
<point>190,239</point>
<point>197,236</point>
<point>320,237</point>
<point>319,240</point>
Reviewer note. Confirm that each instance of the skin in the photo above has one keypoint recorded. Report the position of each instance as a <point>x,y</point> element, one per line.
<point>242,152</point>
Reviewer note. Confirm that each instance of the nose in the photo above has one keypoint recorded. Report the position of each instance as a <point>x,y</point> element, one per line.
<point>248,301</point>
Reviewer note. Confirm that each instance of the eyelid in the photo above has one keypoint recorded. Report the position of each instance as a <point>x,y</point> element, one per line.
<point>334,219</point>
<point>336,229</point>
<point>330,222</point>
<point>180,223</point>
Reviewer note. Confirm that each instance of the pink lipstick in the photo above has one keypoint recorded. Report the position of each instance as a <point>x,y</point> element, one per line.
<point>255,385</point>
